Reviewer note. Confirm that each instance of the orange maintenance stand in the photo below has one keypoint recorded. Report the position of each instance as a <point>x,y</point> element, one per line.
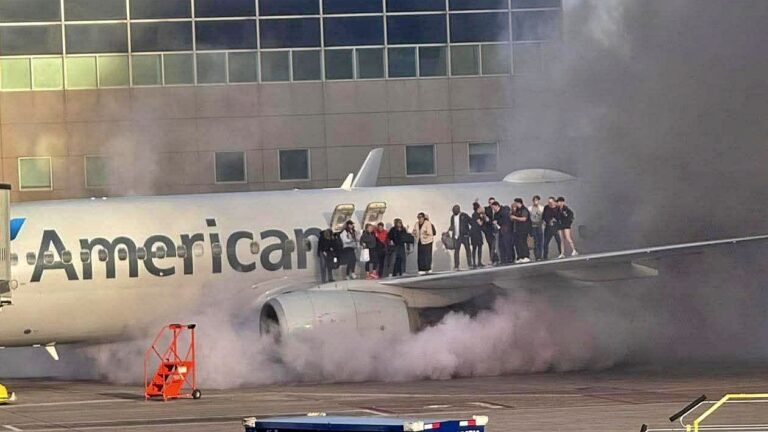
<point>175,375</point>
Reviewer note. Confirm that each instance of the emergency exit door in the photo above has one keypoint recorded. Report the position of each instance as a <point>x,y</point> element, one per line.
<point>341,214</point>
<point>374,213</point>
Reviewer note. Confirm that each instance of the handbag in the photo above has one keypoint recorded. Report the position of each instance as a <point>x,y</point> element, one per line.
<point>365,255</point>
<point>448,241</point>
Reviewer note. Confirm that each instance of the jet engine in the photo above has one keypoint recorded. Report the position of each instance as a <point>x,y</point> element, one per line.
<point>310,310</point>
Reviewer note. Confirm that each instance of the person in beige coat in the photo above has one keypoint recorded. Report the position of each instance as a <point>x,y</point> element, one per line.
<point>424,233</point>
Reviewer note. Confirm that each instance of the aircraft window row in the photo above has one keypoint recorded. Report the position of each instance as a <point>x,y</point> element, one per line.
<point>101,254</point>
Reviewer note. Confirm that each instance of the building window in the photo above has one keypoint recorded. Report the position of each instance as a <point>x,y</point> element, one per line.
<point>96,171</point>
<point>306,65</point>
<point>420,160</point>
<point>482,157</point>
<point>243,67</point>
<point>432,61</point>
<point>496,59</point>
<point>402,62</point>
<point>35,173</point>
<point>178,69</point>
<point>338,64</point>
<point>464,60</point>
<point>212,68</point>
<point>230,167</point>
<point>147,70</point>
<point>275,66</point>
<point>370,63</point>
<point>294,164</point>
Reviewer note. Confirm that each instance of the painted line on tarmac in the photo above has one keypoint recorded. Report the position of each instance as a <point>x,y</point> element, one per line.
<point>13,428</point>
<point>84,402</point>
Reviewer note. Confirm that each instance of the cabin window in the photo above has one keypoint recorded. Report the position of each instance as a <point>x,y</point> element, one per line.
<point>198,250</point>
<point>48,257</point>
<point>103,255</point>
<point>66,257</point>
<point>122,254</point>
<point>216,249</point>
<point>14,259</point>
<point>85,256</point>
<point>181,251</point>
<point>255,248</point>
<point>160,252</point>
<point>31,258</point>
<point>141,253</point>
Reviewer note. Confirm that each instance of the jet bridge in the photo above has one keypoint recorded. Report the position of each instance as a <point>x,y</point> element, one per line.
<point>5,244</point>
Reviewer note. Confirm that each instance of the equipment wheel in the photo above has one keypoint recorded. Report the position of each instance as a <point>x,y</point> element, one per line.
<point>197,394</point>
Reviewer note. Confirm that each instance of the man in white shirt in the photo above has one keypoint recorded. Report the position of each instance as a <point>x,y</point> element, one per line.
<point>537,227</point>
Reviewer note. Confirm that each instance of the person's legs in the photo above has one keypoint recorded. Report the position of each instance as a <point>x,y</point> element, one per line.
<point>503,252</point>
<point>538,239</point>
<point>559,242</point>
<point>522,249</point>
<point>563,242</point>
<point>490,238</point>
<point>569,240</point>
<point>323,261</point>
<point>456,254</point>
<point>428,257</point>
<point>549,232</point>
<point>467,251</point>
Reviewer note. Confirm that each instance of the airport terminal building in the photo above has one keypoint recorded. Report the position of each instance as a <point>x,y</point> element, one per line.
<point>110,97</point>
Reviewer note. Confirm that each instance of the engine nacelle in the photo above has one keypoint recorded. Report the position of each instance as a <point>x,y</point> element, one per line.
<point>309,310</point>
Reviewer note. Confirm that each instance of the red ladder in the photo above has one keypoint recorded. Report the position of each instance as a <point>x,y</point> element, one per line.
<point>175,375</point>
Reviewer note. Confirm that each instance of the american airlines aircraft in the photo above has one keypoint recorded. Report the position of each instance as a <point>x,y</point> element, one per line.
<point>90,271</point>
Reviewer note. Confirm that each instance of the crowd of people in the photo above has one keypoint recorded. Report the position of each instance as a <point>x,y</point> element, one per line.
<point>510,232</point>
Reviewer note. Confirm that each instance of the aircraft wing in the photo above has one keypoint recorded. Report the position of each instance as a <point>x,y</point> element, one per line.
<point>599,267</point>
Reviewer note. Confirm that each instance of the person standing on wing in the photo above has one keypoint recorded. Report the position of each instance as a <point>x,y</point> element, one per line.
<point>565,219</point>
<point>424,233</point>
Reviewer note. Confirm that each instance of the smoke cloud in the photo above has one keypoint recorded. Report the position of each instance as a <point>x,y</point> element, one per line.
<point>661,108</point>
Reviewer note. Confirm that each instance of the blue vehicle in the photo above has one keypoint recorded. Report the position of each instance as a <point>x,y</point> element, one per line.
<point>321,422</point>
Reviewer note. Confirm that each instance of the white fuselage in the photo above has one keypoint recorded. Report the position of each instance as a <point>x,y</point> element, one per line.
<point>59,302</point>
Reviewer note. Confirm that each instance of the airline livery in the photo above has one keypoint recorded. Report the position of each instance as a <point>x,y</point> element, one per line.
<point>98,270</point>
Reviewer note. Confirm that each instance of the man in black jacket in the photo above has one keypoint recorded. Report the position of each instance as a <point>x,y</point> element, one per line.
<point>489,231</point>
<point>460,230</point>
<point>521,222</point>
<point>549,218</point>
<point>327,248</point>
<point>503,222</point>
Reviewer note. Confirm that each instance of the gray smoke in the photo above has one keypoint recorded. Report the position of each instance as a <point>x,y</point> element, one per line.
<point>661,108</point>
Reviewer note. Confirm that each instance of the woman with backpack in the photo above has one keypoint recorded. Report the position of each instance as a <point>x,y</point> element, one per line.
<point>424,233</point>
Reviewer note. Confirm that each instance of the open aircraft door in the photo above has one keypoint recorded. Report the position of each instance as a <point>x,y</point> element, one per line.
<point>341,214</point>
<point>374,213</point>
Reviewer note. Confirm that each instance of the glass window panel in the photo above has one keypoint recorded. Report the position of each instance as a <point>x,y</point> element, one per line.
<point>178,69</point>
<point>294,164</point>
<point>243,67</point>
<point>526,58</point>
<point>90,10</point>
<point>402,62</point>
<point>478,4</point>
<point>22,40</point>
<point>432,61</point>
<point>47,73</point>
<point>230,167</point>
<point>35,173</point>
<point>464,60</point>
<point>370,63</point>
<point>15,74</point>
<point>535,4</point>
<point>96,171</point>
<point>215,35</point>
<point>211,68</point>
<point>146,70</point>
<point>165,36</point>
<point>96,38</point>
<point>496,59</point>
<point>306,65</point>
<point>351,6</point>
<point>416,29</point>
<point>113,71</point>
<point>415,5</point>
<point>29,10</point>
<point>275,66</point>
<point>536,25</point>
<point>482,157</point>
<point>338,64</point>
<point>224,8</point>
<point>420,160</point>
<point>480,27</point>
<point>81,72</point>
<point>149,9</point>
<point>290,33</point>
<point>288,7</point>
<point>349,31</point>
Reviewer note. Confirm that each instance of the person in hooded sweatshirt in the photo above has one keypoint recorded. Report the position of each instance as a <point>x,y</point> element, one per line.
<point>476,231</point>
<point>424,233</point>
<point>368,243</point>
<point>398,237</point>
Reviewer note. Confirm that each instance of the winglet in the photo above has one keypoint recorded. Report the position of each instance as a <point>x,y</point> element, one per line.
<point>347,185</point>
<point>51,348</point>
<point>368,175</point>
